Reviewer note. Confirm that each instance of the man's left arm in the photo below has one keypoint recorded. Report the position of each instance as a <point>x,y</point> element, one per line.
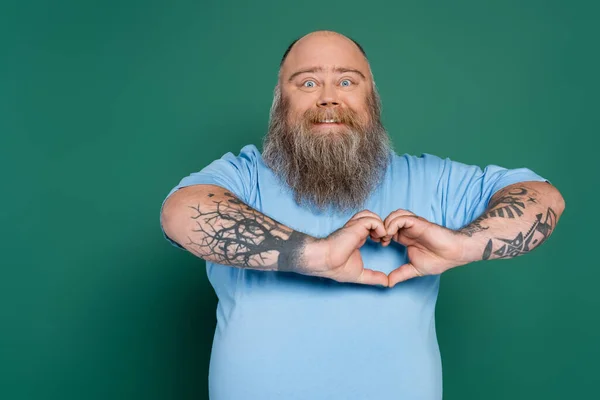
<point>518,218</point>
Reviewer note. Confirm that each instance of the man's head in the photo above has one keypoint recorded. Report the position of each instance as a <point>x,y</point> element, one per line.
<point>325,138</point>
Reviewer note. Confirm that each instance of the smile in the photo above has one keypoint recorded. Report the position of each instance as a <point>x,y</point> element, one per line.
<point>329,122</point>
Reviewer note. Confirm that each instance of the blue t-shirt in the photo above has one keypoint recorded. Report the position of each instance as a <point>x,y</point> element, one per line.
<point>283,336</point>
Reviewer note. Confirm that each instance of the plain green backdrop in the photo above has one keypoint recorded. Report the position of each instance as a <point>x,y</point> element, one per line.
<point>106,105</point>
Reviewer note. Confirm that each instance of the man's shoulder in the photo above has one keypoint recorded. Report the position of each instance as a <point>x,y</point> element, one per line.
<point>249,151</point>
<point>420,161</point>
<point>248,155</point>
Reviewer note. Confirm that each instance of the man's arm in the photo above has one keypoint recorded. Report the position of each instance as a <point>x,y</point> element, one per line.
<point>518,218</point>
<point>216,226</point>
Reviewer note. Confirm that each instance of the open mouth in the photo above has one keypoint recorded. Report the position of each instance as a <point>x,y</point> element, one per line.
<point>329,122</point>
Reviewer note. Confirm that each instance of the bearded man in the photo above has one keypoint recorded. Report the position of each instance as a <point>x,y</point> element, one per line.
<point>325,251</point>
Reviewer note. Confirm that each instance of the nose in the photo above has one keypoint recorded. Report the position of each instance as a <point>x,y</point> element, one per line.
<point>328,97</point>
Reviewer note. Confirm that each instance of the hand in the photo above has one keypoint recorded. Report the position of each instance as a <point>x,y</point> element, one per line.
<point>337,257</point>
<point>431,249</point>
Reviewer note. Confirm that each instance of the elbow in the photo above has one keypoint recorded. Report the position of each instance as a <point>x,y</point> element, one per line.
<point>561,203</point>
<point>169,216</point>
<point>558,201</point>
<point>175,213</point>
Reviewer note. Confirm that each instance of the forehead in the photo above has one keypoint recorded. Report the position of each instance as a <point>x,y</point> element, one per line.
<point>324,51</point>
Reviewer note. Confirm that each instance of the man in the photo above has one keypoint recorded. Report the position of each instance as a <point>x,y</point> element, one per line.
<point>326,250</point>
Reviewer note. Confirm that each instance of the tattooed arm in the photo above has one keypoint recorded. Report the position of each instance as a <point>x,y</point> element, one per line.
<point>216,226</point>
<point>518,218</point>
<point>211,223</point>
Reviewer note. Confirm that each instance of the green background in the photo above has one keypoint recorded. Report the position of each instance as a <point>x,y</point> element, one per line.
<point>105,105</point>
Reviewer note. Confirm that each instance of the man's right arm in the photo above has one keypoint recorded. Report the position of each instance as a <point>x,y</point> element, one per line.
<point>213,224</point>
<point>210,222</point>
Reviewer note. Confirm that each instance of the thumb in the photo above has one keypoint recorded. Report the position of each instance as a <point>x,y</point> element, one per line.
<point>403,273</point>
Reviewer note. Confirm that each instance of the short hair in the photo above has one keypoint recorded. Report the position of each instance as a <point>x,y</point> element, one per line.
<point>287,51</point>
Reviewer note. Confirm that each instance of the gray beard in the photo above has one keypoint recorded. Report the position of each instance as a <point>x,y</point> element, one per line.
<point>337,169</point>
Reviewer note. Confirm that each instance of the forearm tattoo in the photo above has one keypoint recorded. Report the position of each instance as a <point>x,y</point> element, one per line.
<point>512,205</point>
<point>232,233</point>
<point>523,243</point>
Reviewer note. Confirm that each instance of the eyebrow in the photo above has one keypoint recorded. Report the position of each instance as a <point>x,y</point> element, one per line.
<point>339,70</point>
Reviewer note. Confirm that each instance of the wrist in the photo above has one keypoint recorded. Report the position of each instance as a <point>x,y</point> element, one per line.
<point>471,245</point>
<point>315,255</point>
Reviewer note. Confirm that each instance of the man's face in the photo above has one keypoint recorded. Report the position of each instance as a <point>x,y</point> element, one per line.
<point>326,82</point>
<point>325,139</point>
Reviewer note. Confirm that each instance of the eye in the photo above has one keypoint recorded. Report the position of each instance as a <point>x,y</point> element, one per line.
<point>346,82</point>
<point>309,84</point>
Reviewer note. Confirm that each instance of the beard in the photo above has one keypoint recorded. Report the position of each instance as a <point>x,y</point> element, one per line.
<point>337,167</point>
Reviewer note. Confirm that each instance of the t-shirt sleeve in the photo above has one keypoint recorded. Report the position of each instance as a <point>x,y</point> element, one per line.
<point>465,190</point>
<point>236,174</point>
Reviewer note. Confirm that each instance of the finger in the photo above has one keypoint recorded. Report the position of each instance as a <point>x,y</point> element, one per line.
<point>399,216</point>
<point>364,213</point>
<point>386,240</point>
<point>403,273</point>
<point>370,277</point>
<point>399,212</point>
<point>374,225</point>
<point>376,236</point>
<point>369,214</point>
<point>400,222</point>
<point>369,226</point>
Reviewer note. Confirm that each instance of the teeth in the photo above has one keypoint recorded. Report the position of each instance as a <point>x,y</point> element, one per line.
<point>329,121</point>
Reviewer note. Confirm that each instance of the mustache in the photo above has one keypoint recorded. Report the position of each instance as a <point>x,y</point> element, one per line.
<point>345,116</point>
